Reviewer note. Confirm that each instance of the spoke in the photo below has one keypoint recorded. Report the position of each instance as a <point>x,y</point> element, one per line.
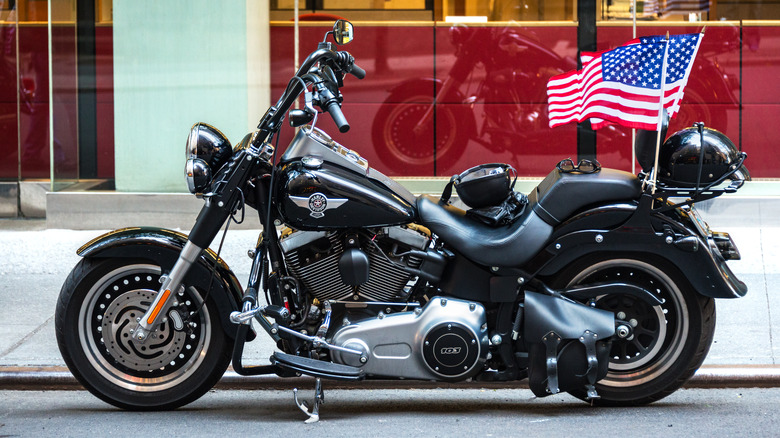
<point>641,348</point>
<point>639,330</point>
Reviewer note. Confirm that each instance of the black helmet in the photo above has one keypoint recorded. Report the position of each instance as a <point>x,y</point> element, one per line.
<point>683,161</point>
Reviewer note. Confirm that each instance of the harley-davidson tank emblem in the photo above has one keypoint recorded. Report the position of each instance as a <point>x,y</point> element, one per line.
<point>317,203</point>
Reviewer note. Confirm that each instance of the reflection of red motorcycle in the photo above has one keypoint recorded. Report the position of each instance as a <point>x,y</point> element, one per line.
<point>503,105</point>
<point>516,68</point>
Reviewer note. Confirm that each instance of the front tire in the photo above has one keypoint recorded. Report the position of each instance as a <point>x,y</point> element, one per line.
<point>100,303</point>
<point>409,149</point>
<point>669,342</point>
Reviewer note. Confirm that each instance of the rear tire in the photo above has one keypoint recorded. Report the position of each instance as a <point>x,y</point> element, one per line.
<point>99,304</point>
<point>670,341</point>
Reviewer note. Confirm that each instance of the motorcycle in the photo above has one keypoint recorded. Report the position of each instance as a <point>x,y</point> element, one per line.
<point>599,283</point>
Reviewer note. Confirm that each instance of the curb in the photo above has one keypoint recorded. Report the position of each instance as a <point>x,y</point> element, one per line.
<point>60,379</point>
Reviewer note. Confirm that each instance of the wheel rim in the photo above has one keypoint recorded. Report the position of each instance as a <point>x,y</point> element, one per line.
<point>404,145</point>
<point>110,311</point>
<point>660,331</point>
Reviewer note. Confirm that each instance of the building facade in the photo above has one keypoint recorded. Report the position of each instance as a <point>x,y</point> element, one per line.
<point>100,94</point>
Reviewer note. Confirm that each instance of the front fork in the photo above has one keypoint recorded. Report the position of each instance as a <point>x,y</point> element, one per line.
<point>171,284</point>
<point>209,221</point>
<point>215,212</point>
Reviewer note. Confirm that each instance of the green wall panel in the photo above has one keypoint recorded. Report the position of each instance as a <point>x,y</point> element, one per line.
<point>176,62</point>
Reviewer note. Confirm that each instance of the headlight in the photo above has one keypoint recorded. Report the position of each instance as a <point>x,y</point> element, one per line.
<point>198,175</point>
<point>207,151</point>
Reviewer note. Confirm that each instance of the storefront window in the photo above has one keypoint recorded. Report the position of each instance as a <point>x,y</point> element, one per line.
<point>9,108</point>
<point>446,94</point>
<point>469,83</point>
<point>451,83</point>
<point>690,10</point>
<point>510,10</point>
<point>41,117</point>
<point>727,87</point>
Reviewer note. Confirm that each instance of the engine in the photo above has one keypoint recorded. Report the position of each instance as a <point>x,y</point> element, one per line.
<point>445,340</point>
<point>343,265</point>
<point>364,273</point>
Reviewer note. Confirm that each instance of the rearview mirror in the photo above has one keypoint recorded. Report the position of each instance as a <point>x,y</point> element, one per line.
<point>343,32</point>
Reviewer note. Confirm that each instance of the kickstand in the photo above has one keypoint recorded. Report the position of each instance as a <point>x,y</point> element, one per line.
<point>319,398</point>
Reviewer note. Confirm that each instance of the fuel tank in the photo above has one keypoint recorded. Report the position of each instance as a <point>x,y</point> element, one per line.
<point>326,186</point>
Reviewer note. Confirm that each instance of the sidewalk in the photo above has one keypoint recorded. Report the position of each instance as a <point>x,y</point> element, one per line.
<point>36,260</point>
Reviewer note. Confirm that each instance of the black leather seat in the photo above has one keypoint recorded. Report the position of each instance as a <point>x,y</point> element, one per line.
<point>554,200</point>
<point>507,246</point>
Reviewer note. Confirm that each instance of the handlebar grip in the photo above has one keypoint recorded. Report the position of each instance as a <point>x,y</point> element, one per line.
<point>357,72</point>
<point>335,112</point>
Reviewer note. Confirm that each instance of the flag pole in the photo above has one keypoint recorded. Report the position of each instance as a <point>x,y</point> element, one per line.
<point>633,130</point>
<point>660,115</point>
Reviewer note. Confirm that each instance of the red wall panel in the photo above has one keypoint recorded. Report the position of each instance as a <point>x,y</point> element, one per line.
<point>505,117</point>
<point>34,116</point>
<point>392,57</point>
<point>495,80</point>
<point>34,103</point>
<point>104,81</point>
<point>761,99</point>
<point>9,120</point>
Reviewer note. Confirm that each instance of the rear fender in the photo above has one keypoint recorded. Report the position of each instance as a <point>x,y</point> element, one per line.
<point>162,247</point>
<point>631,230</point>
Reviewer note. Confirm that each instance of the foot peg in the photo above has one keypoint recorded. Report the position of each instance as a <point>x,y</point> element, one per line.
<point>278,313</point>
<point>319,398</point>
<point>316,368</point>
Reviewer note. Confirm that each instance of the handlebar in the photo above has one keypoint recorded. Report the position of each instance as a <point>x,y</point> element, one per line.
<point>330,103</point>
<point>338,117</point>
<point>342,60</point>
<point>357,72</point>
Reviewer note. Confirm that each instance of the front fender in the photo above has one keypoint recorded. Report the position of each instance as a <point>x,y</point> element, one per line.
<point>643,235</point>
<point>413,87</point>
<point>162,247</point>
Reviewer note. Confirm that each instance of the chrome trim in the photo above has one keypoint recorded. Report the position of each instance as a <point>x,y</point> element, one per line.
<point>318,342</point>
<point>246,315</point>
<point>189,254</point>
<point>394,343</point>
<point>373,303</point>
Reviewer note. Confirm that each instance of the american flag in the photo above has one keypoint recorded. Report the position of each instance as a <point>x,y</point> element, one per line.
<point>623,85</point>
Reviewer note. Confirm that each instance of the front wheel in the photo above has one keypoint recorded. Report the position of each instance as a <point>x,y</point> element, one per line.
<point>669,341</point>
<point>99,306</point>
<point>412,148</point>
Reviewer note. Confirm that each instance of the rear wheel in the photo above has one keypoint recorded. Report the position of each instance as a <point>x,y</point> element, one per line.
<point>99,306</point>
<point>669,341</point>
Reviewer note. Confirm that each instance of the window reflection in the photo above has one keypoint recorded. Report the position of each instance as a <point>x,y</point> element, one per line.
<point>490,99</point>
<point>24,93</point>
<point>440,96</point>
<point>8,85</point>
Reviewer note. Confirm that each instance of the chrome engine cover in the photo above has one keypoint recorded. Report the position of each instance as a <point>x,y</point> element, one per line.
<point>445,340</point>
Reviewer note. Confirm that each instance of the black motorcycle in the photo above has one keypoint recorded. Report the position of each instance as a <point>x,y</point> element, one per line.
<point>599,283</point>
